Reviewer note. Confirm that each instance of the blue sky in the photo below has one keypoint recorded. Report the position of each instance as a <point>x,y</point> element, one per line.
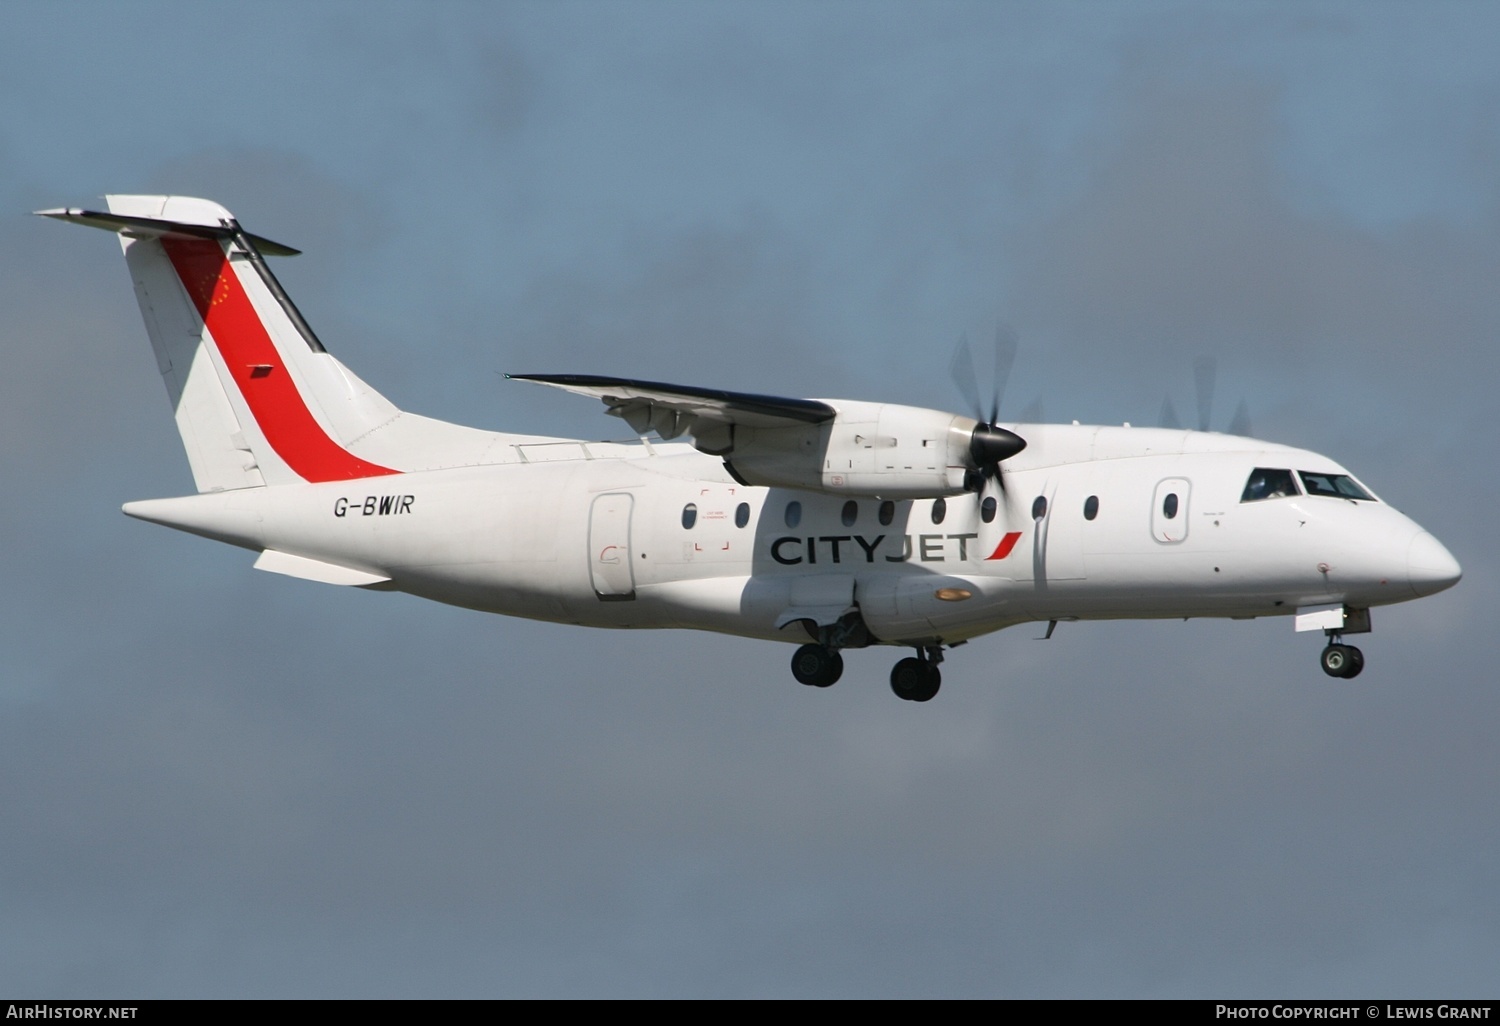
<point>217,782</point>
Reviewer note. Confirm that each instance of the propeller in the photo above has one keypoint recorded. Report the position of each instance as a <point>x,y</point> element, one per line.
<point>990,444</point>
<point>1205,371</point>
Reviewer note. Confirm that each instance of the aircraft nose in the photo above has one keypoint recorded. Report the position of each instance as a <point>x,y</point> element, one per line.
<point>1430,567</point>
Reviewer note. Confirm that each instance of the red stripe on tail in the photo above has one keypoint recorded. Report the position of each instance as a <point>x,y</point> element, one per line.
<point>257,368</point>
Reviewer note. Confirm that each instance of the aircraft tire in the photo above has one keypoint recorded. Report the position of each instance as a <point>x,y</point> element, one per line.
<point>932,680</point>
<point>1356,663</point>
<point>817,666</point>
<point>907,679</point>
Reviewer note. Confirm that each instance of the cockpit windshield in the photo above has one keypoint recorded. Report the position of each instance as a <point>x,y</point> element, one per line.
<point>1339,486</point>
<point>1267,483</point>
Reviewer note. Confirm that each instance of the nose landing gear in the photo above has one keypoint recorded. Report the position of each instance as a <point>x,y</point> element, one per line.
<point>1340,660</point>
<point>918,680</point>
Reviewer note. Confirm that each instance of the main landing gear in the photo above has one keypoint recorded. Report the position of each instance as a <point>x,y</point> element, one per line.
<point>913,679</point>
<point>1340,660</point>
<point>918,680</point>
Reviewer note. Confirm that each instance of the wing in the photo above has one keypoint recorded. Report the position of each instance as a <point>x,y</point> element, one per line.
<point>674,409</point>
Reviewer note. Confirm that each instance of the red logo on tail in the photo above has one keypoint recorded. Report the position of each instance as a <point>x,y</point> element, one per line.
<point>251,356</point>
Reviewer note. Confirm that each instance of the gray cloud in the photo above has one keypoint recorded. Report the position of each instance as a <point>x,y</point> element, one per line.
<point>1191,240</point>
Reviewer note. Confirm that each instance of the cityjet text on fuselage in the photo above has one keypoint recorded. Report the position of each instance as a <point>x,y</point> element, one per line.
<point>794,550</point>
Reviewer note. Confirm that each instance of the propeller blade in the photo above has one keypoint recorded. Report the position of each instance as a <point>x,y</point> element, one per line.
<point>1006,344</point>
<point>1204,370</point>
<point>1240,425</point>
<point>1169,417</point>
<point>1033,413</point>
<point>962,371</point>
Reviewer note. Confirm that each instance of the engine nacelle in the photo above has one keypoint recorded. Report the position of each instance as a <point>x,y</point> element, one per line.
<point>868,449</point>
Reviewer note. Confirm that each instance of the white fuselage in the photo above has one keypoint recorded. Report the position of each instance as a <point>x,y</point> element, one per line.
<point>602,541</point>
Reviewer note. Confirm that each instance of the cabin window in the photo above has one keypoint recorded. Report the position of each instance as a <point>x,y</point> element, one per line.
<point>793,513</point>
<point>939,510</point>
<point>1039,507</point>
<point>987,509</point>
<point>850,513</point>
<point>1340,486</point>
<point>887,513</point>
<point>1091,507</point>
<point>689,515</point>
<point>1169,506</point>
<point>1268,483</point>
<point>742,514</point>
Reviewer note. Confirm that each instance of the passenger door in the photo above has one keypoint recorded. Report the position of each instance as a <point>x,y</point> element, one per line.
<point>1169,510</point>
<point>610,554</point>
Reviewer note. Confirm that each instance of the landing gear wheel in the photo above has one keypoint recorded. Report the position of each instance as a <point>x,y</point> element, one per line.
<point>1342,661</point>
<point>817,666</point>
<point>932,679</point>
<point>915,680</point>
<point>1356,663</point>
<point>906,678</point>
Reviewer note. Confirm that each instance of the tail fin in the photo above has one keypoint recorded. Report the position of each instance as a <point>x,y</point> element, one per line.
<point>258,400</point>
